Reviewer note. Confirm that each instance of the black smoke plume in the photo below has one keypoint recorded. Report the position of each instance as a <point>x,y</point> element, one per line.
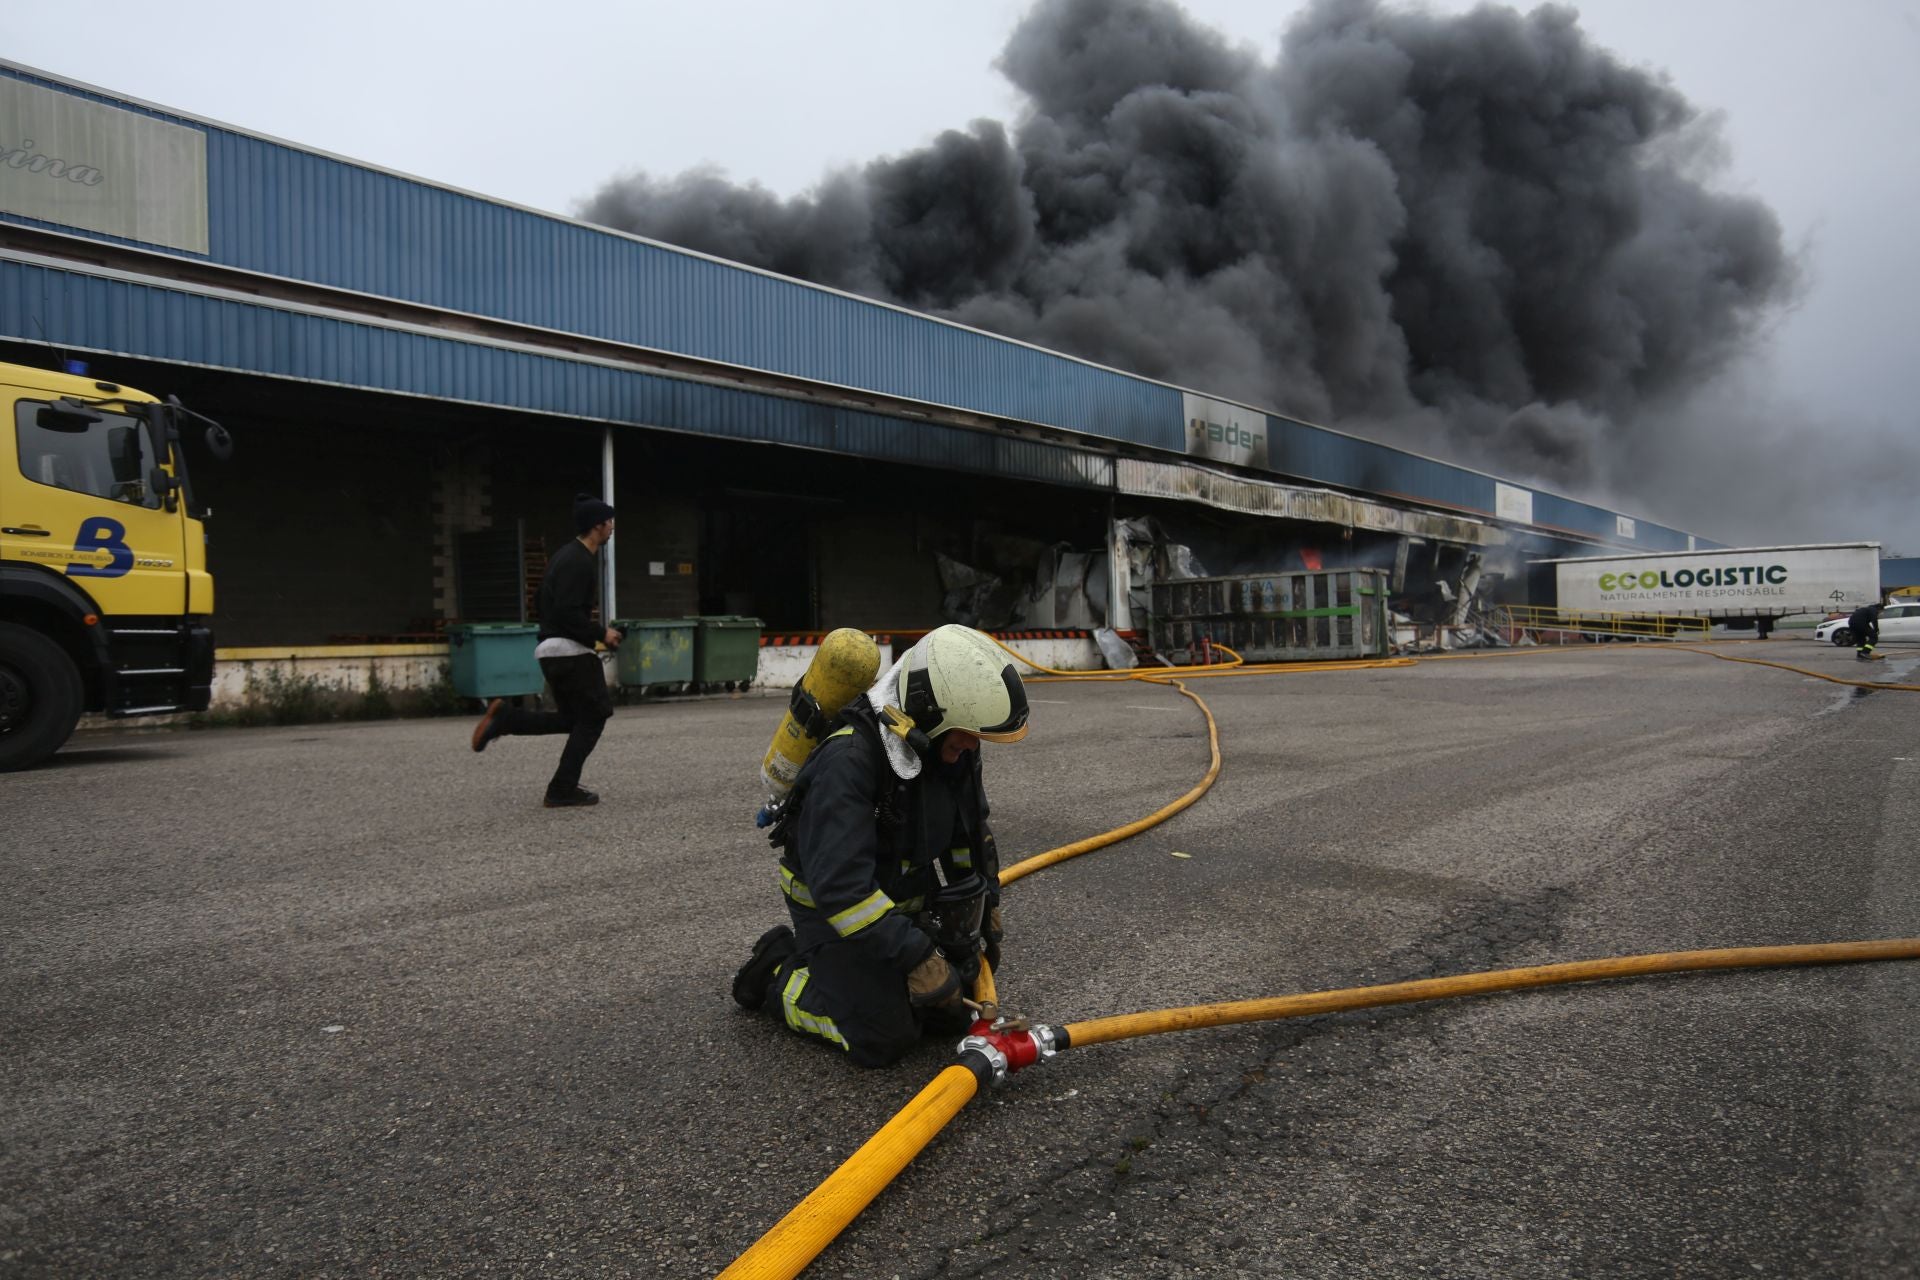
<point>1479,236</point>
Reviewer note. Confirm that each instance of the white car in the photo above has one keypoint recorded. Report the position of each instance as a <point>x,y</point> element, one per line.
<point>1898,621</point>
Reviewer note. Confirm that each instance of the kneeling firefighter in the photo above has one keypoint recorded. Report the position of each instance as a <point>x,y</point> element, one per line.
<point>890,873</point>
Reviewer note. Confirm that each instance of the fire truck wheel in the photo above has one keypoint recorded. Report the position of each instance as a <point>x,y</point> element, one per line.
<point>40,697</point>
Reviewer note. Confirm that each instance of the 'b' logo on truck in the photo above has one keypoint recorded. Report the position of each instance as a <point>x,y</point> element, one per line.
<point>98,533</point>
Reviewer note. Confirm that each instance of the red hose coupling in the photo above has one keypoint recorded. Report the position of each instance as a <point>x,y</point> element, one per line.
<point>1007,1049</point>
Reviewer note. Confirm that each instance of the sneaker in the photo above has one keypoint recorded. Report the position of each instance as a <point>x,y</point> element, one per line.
<point>750,984</point>
<point>569,799</point>
<point>489,727</point>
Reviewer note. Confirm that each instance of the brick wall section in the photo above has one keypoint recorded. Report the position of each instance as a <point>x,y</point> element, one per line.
<point>656,527</point>
<point>536,478</point>
<point>536,471</point>
<point>462,503</point>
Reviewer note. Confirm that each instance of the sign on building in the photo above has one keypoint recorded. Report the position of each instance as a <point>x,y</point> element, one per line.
<point>1511,503</point>
<point>1225,432</point>
<point>74,162</point>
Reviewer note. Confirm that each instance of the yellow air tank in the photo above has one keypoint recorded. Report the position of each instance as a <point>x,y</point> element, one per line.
<point>846,667</point>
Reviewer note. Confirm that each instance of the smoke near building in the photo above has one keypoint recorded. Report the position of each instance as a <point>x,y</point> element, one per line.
<point>1479,236</point>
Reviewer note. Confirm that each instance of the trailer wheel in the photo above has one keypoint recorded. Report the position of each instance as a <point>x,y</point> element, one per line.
<point>1842,637</point>
<point>40,697</point>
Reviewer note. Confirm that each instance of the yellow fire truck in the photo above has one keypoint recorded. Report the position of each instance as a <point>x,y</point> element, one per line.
<point>105,600</point>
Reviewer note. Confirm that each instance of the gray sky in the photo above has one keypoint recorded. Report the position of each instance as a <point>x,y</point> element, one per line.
<point>1819,102</point>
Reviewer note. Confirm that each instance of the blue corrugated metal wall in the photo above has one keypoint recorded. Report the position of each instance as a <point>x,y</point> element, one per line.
<point>284,211</point>
<point>1552,511</point>
<point>89,312</point>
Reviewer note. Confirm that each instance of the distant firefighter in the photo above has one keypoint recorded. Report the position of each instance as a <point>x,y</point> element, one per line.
<point>1865,626</point>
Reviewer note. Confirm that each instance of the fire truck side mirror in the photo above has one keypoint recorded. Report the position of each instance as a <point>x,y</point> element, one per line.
<point>219,443</point>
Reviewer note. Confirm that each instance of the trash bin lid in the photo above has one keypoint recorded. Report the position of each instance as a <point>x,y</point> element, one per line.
<point>492,628</point>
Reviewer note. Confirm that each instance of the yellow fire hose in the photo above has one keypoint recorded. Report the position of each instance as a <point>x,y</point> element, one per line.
<point>793,1242</point>
<point>798,1238</point>
<point>1172,676</point>
<point>1817,675</point>
<point>1194,1017</point>
<point>1065,851</point>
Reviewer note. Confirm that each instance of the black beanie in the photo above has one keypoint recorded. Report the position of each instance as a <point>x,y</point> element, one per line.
<point>589,511</point>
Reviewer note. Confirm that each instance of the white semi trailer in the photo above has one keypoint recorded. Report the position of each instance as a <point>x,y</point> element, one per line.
<point>1739,586</point>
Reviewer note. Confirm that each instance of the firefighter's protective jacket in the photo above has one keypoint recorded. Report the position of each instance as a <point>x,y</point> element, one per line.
<point>864,851</point>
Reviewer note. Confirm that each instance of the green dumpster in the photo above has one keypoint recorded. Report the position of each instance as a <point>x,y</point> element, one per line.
<point>726,650</point>
<point>494,659</point>
<point>657,653</point>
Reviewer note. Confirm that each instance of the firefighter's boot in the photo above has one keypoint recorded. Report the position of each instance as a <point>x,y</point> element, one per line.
<point>750,984</point>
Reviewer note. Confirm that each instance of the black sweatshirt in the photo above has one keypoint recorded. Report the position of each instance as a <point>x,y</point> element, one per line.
<point>567,594</point>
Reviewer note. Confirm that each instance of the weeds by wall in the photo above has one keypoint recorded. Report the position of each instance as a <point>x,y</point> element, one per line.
<point>277,693</point>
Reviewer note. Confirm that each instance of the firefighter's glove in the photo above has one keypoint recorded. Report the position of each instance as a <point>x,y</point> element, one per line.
<point>990,934</point>
<point>933,982</point>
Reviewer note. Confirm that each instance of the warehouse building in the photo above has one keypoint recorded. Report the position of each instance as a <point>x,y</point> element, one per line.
<point>418,378</point>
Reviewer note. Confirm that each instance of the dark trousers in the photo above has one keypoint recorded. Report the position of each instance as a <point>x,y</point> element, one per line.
<point>853,1001</point>
<point>580,692</point>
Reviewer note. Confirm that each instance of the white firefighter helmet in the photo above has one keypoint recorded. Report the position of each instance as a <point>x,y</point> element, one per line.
<point>957,678</point>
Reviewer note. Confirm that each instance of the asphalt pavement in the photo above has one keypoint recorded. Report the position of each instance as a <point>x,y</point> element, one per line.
<point>346,1000</point>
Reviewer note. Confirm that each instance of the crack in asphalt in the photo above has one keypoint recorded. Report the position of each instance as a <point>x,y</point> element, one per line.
<point>1479,933</point>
